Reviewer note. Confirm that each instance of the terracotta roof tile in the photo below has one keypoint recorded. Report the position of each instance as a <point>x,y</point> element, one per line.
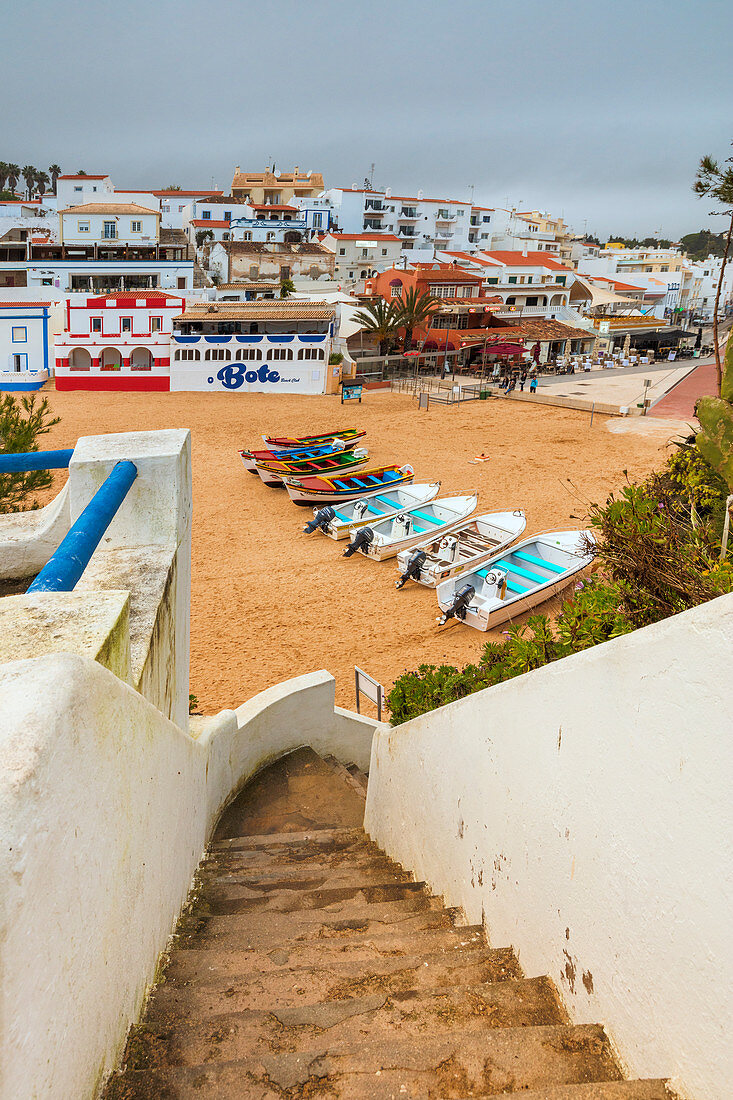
<point>281,310</point>
<point>109,208</point>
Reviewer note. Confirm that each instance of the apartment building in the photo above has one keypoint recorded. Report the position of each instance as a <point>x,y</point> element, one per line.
<point>269,187</point>
<point>361,255</point>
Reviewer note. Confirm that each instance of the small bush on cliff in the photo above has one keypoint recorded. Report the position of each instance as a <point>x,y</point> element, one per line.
<point>22,422</point>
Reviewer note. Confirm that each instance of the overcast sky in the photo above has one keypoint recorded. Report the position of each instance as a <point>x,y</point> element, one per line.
<point>598,111</point>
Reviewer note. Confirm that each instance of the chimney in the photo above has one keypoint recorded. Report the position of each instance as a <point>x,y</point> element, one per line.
<point>524,249</point>
<point>237,170</point>
<point>420,196</point>
<point>295,171</point>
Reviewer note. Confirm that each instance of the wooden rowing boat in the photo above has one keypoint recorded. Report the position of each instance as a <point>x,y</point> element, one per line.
<point>251,458</point>
<point>280,442</point>
<point>274,472</point>
<point>329,490</point>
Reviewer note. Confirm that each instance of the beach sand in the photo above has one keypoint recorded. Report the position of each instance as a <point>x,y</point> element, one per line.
<point>268,602</point>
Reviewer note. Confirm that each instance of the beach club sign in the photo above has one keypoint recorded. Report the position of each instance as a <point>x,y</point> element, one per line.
<point>266,375</point>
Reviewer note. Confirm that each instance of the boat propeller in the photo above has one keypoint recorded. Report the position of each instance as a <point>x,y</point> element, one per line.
<point>458,608</point>
<point>321,519</point>
<point>361,540</point>
<point>413,567</point>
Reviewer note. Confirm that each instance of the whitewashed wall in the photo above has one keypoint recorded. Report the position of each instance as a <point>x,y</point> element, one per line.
<point>584,812</point>
<point>105,808</point>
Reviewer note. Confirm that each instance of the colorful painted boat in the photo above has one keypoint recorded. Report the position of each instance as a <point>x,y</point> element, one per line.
<point>467,547</point>
<point>340,522</point>
<point>286,442</point>
<point>251,458</point>
<point>273,473</point>
<point>516,580</point>
<point>387,537</point>
<point>329,490</point>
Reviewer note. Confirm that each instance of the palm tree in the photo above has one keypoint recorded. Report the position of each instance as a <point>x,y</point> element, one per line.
<point>414,310</point>
<point>3,174</point>
<point>13,176</point>
<point>29,175</point>
<point>287,287</point>
<point>42,182</point>
<point>54,171</point>
<point>380,318</point>
<point>717,182</point>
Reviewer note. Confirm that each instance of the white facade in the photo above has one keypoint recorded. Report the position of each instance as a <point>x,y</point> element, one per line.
<point>87,224</point>
<point>24,344</point>
<point>359,256</point>
<point>80,275</point>
<point>77,190</point>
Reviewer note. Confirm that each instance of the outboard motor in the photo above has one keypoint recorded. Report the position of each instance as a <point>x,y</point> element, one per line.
<point>413,567</point>
<point>448,547</point>
<point>360,509</point>
<point>321,519</point>
<point>401,526</point>
<point>361,540</point>
<point>457,609</point>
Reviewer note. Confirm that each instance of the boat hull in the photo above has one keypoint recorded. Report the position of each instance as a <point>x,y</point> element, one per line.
<point>434,571</point>
<point>251,458</point>
<point>275,473</point>
<point>290,442</point>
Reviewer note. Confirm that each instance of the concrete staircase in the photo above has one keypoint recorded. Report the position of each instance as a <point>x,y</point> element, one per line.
<point>309,965</point>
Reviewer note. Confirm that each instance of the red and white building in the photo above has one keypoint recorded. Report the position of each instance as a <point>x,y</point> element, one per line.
<point>118,341</point>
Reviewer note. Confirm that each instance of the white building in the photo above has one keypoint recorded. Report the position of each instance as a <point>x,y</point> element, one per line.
<point>117,341</point>
<point>123,223</point>
<point>260,346</point>
<point>525,280</point>
<point>362,255</point>
<point>24,344</point>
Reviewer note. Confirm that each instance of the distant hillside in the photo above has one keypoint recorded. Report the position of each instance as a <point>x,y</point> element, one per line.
<point>698,245</point>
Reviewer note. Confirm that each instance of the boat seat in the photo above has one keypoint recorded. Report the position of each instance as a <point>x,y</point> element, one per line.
<point>342,517</point>
<point>534,577</point>
<point>391,475</point>
<point>374,480</point>
<point>389,502</point>
<point>342,485</point>
<point>428,519</point>
<point>355,481</point>
<point>376,511</point>
<point>524,556</point>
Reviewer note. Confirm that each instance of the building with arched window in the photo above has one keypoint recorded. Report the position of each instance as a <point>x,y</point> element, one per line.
<point>117,341</point>
<point>279,346</point>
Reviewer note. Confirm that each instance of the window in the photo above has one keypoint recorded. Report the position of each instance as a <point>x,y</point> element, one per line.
<point>271,236</point>
<point>351,274</point>
<point>126,324</point>
<point>311,353</point>
<point>384,251</point>
<point>187,354</point>
<point>82,227</point>
<point>284,272</point>
<point>342,251</point>
<point>364,253</point>
<point>561,279</point>
<point>20,334</point>
<point>109,230</point>
<point>219,354</point>
<point>460,213</point>
<point>486,218</point>
<point>136,227</point>
<point>181,282</point>
<point>94,188</point>
<point>165,208</point>
<point>317,222</point>
<point>20,361</point>
<point>206,214</point>
<point>254,271</point>
<point>492,282</point>
<point>512,279</point>
<point>280,353</point>
<point>247,236</point>
<point>248,353</point>
<point>46,282</point>
<point>78,188</point>
<point>96,324</point>
<point>225,236</point>
<point>156,324</point>
<point>396,291</point>
<point>227,215</point>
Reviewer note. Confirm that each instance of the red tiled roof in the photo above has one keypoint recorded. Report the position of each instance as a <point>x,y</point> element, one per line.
<point>532,259</point>
<point>210,223</point>
<point>24,305</point>
<point>614,282</point>
<point>84,177</point>
<point>273,206</point>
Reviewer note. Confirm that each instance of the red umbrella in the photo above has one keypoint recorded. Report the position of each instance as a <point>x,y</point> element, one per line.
<point>506,349</point>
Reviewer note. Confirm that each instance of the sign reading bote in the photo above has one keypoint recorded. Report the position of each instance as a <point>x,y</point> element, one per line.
<point>248,378</point>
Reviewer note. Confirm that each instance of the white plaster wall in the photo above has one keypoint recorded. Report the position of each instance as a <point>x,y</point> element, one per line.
<point>28,539</point>
<point>584,812</point>
<point>105,808</point>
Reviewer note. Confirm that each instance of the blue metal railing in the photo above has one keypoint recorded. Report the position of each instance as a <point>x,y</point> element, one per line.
<point>35,460</point>
<point>62,571</point>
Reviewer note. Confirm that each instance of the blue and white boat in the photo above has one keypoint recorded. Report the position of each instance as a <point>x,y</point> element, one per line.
<point>340,520</point>
<point>516,580</point>
<point>385,538</point>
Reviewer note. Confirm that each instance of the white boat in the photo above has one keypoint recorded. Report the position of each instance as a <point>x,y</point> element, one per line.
<point>516,580</point>
<point>435,559</point>
<point>339,521</point>
<point>385,538</point>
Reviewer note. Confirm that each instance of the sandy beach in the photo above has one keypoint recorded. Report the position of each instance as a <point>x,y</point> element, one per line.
<point>268,602</point>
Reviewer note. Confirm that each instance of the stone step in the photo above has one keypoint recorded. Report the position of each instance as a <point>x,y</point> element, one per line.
<point>307,844</point>
<point>198,982</point>
<point>215,878</point>
<point>495,1061</point>
<point>228,1036</point>
<point>604,1090</point>
<point>259,863</point>
<point>308,951</point>
<point>238,899</point>
<point>349,774</point>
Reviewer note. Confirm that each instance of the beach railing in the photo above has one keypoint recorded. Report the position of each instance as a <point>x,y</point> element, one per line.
<point>64,568</point>
<point>25,461</point>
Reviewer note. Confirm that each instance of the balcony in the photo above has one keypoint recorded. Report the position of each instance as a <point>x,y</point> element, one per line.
<point>407,231</point>
<point>408,214</point>
<point>371,207</point>
<point>445,216</point>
